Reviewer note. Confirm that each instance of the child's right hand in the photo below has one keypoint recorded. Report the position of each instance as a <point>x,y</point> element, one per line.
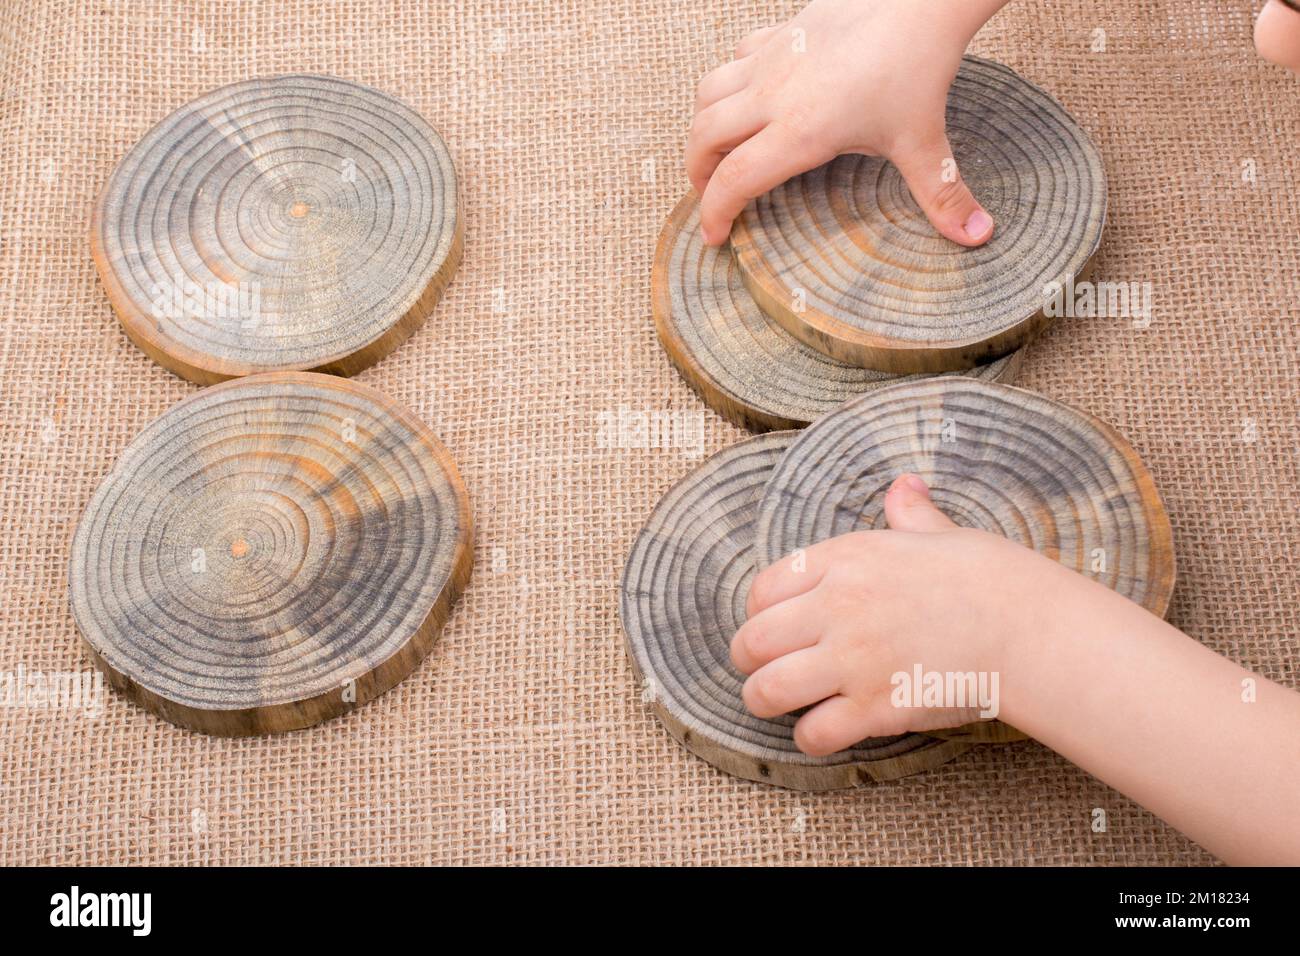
<point>844,76</point>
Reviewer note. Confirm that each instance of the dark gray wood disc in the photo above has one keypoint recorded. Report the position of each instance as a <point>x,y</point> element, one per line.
<point>843,258</point>
<point>683,597</point>
<point>289,222</point>
<point>271,552</point>
<point>743,364</point>
<point>996,457</point>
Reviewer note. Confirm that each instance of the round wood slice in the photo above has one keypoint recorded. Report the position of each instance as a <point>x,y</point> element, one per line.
<point>270,553</point>
<point>743,364</point>
<point>683,597</point>
<point>844,259</point>
<point>294,222</point>
<point>996,457</point>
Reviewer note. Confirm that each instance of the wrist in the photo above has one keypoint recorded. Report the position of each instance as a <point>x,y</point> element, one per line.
<point>1060,643</point>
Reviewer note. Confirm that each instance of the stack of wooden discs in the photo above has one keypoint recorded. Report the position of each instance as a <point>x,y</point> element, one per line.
<point>996,457</point>
<point>683,597</point>
<point>276,549</point>
<point>837,304</point>
<point>835,284</point>
<point>744,365</point>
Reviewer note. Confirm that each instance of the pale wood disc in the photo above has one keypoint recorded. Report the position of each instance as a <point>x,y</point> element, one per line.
<point>291,222</point>
<point>270,553</point>
<point>743,364</point>
<point>683,597</point>
<point>844,259</point>
<point>1018,464</point>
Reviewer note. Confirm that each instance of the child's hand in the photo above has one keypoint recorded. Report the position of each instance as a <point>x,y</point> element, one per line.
<point>844,76</point>
<point>870,604</point>
<point>1193,737</point>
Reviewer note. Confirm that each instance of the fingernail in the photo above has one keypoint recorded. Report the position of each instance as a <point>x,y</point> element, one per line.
<point>915,483</point>
<point>978,224</point>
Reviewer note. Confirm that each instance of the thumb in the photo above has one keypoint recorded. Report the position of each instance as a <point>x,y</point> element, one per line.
<point>1277,34</point>
<point>908,507</point>
<point>936,184</point>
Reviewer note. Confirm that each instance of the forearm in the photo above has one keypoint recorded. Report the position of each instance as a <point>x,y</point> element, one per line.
<point>1164,720</point>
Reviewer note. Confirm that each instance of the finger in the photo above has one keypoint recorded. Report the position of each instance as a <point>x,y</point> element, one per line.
<point>796,680</point>
<point>936,184</point>
<point>725,80</point>
<point>799,572</point>
<point>833,725</point>
<point>751,169</point>
<point>840,722</point>
<point>715,132</point>
<point>752,42</point>
<point>908,507</point>
<point>781,629</point>
<point>793,575</point>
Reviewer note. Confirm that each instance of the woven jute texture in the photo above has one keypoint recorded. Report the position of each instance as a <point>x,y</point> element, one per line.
<point>524,737</point>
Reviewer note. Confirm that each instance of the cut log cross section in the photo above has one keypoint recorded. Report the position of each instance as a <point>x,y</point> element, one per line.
<point>743,364</point>
<point>288,223</point>
<point>843,258</point>
<point>996,457</point>
<point>269,553</point>
<point>683,597</point>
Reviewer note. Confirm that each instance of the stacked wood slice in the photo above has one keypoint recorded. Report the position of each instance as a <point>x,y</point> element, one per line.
<point>743,364</point>
<point>683,597</point>
<point>996,457</point>
<point>284,546</point>
<point>844,260</point>
<point>837,304</point>
<point>835,284</point>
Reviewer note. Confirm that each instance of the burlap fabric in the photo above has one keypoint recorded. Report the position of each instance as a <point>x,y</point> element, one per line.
<point>524,738</point>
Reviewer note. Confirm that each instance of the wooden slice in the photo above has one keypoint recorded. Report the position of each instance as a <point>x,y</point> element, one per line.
<point>295,222</point>
<point>270,553</point>
<point>996,457</point>
<point>684,591</point>
<point>744,365</point>
<point>844,259</point>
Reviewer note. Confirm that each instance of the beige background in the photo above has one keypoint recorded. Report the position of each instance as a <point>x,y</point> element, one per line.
<point>528,707</point>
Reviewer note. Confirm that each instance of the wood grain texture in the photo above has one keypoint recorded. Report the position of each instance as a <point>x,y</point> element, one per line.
<point>683,597</point>
<point>843,258</point>
<point>271,552</point>
<point>286,223</point>
<point>743,364</point>
<point>996,457</point>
